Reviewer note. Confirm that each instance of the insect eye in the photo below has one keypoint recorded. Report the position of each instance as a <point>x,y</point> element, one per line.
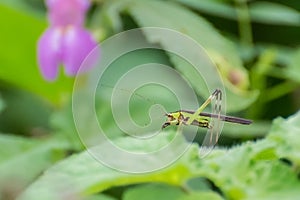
<point>170,118</point>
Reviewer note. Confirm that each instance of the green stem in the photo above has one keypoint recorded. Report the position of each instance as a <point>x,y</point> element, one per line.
<point>244,22</point>
<point>279,91</point>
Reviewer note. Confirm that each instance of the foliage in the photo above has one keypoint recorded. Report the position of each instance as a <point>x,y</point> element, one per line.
<point>243,172</point>
<point>253,44</point>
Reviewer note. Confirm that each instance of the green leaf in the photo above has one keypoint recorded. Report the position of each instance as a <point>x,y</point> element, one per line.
<point>285,133</point>
<point>23,159</point>
<point>260,11</point>
<point>201,195</point>
<point>35,7</point>
<point>242,174</point>
<point>249,171</point>
<point>108,16</point>
<point>172,16</point>
<point>13,145</point>
<point>162,191</point>
<point>152,192</point>
<point>81,174</point>
<point>213,7</point>
<point>99,197</point>
<point>139,105</point>
<point>273,13</point>
<point>18,56</point>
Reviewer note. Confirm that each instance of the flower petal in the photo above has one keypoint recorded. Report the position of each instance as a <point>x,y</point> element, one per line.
<point>49,53</point>
<point>77,44</point>
<point>67,12</point>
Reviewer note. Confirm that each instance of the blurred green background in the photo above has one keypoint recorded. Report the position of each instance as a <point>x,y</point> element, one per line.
<point>256,47</point>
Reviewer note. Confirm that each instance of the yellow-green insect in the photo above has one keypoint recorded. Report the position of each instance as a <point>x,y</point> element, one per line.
<point>202,119</point>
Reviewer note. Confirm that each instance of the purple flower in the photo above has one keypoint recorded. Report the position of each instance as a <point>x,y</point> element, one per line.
<point>65,41</point>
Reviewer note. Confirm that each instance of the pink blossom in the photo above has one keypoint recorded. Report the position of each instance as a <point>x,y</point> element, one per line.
<point>65,41</point>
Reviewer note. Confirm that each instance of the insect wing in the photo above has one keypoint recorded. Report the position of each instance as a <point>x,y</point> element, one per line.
<point>215,125</point>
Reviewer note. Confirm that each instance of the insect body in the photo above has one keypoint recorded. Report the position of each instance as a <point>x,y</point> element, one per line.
<point>202,119</point>
<point>182,116</point>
